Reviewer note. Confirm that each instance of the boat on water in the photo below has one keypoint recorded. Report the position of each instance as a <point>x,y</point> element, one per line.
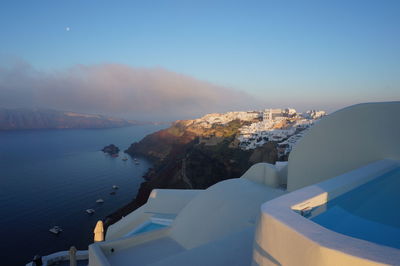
<point>90,211</point>
<point>56,229</point>
<point>112,193</point>
<point>100,201</point>
<point>124,159</point>
<point>115,187</point>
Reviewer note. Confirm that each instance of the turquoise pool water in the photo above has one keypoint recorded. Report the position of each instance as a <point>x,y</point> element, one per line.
<point>150,226</point>
<point>370,212</point>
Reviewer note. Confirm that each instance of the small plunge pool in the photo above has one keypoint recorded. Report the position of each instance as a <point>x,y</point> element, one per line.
<point>153,224</point>
<point>149,227</point>
<point>370,212</point>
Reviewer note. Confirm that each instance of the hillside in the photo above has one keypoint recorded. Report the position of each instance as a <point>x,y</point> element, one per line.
<point>17,119</point>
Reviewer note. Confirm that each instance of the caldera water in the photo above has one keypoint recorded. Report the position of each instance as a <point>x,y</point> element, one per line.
<point>50,177</point>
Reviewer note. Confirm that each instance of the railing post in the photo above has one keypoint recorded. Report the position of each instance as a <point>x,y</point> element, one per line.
<point>72,256</point>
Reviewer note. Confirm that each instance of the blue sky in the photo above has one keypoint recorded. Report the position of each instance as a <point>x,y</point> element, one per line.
<point>317,54</point>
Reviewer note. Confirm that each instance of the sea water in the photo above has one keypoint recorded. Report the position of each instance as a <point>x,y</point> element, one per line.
<point>50,177</point>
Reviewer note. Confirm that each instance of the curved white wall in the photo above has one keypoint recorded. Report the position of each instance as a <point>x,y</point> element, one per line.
<point>267,174</point>
<point>224,208</point>
<point>345,140</point>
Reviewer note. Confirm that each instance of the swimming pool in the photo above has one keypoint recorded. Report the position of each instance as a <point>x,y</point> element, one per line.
<point>370,212</point>
<point>155,223</point>
<point>149,227</point>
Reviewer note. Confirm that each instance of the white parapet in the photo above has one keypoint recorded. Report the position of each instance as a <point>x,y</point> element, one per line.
<point>57,257</point>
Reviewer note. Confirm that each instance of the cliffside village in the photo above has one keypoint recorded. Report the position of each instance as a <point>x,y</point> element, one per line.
<point>285,126</point>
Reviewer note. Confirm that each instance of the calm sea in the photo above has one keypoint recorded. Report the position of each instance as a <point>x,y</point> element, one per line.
<point>50,177</point>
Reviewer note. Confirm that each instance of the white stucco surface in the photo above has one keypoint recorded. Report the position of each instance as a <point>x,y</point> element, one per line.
<point>232,250</point>
<point>146,253</point>
<point>216,225</point>
<point>270,175</point>
<point>224,208</point>
<point>345,140</point>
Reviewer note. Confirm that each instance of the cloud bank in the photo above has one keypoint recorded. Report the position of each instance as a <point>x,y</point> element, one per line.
<point>118,90</point>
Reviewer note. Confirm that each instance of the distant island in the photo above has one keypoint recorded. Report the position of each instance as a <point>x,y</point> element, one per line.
<point>111,149</point>
<point>195,154</point>
<point>18,119</point>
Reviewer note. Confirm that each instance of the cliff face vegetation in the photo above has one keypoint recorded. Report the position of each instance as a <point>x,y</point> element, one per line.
<point>187,156</point>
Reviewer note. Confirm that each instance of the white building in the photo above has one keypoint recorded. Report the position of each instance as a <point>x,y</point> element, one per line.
<point>228,117</point>
<point>271,114</point>
<point>314,114</point>
<point>280,125</point>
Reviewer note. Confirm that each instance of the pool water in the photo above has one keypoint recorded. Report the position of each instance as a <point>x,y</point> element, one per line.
<point>150,227</point>
<point>370,212</point>
<point>147,227</point>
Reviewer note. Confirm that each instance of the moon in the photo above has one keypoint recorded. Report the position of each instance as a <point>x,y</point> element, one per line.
<point>67,28</point>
